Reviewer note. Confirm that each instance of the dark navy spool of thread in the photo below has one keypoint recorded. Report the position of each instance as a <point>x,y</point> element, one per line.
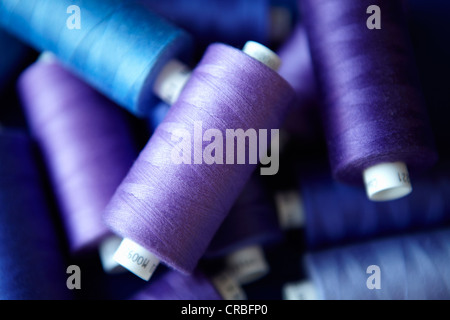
<point>14,57</point>
<point>428,22</point>
<point>336,213</point>
<point>233,22</point>
<point>409,267</point>
<point>87,147</point>
<point>32,264</point>
<point>120,47</point>
<point>373,111</point>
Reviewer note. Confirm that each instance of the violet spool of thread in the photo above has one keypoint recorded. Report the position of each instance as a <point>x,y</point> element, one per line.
<point>250,225</point>
<point>198,286</point>
<point>86,144</point>
<point>373,112</point>
<point>100,49</point>
<point>32,264</point>
<point>297,69</point>
<point>409,267</point>
<point>173,210</point>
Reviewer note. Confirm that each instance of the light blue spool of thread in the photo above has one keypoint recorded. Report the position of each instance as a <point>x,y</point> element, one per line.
<point>408,267</point>
<point>119,47</point>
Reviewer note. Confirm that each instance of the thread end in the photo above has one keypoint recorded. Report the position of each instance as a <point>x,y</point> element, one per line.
<point>136,259</point>
<point>262,54</point>
<point>387,181</point>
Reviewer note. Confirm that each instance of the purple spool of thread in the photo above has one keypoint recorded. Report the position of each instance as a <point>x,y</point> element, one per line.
<point>408,267</point>
<point>250,225</point>
<point>297,69</point>
<point>373,112</point>
<point>86,144</point>
<point>198,286</point>
<point>170,212</point>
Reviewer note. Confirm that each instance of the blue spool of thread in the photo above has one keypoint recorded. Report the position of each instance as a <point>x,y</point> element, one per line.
<point>119,48</point>
<point>229,21</point>
<point>334,213</point>
<point>32,264</point>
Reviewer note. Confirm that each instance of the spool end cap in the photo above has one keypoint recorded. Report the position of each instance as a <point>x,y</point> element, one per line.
<point>262,54</point>
<point>136,259</point>
<point>107,249</point>
<point>387,181</point>
<point>248,264</point>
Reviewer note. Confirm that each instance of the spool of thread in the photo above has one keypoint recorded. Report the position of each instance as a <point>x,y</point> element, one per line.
<point>87,148</point>
<point>332,213</point>
<point>32,265</point>
<point>170,212</point>
<point>409,267</point>
<point>198,286</point>
<point>233,22</point>
<point>13,59</point>
<point>101,51</point>
<point>374,116</point>
<point>250,226</point>
<point>428,23</point>
<point>297,69</point>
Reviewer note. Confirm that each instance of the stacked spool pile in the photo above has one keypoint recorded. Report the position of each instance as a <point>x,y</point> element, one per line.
<point>104,91</point>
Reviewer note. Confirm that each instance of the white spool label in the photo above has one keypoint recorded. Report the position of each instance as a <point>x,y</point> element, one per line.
<point>247,265</point>
<point>228,287</point>
<point>136,259</point>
